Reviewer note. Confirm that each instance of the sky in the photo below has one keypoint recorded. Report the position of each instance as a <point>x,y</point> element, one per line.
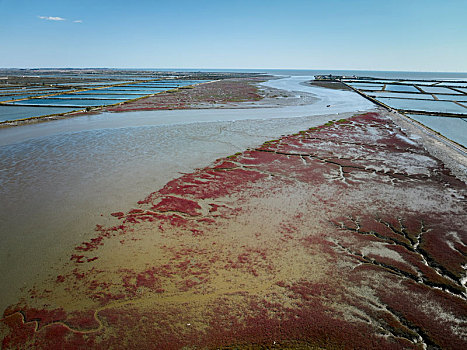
<point>400,35</point>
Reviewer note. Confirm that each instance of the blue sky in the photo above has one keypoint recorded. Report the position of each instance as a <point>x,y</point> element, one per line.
<point>413,35</point>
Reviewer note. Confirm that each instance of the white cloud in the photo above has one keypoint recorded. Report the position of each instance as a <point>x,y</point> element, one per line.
<point>48,18</point>
<point>78,21</point>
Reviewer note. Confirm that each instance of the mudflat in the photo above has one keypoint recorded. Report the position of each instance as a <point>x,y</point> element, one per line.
<point>341,236</point>
<point>345,235</point>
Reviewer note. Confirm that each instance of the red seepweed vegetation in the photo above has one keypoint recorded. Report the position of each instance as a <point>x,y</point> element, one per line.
<point>393,272</point>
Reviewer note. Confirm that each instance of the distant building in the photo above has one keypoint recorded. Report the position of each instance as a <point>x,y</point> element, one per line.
<point>328,77</point>
<point>334,77</point>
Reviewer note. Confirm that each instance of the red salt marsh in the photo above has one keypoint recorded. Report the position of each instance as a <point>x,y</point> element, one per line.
<point>348,235</point>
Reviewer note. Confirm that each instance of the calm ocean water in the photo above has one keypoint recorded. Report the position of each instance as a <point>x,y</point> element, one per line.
<point>368,73</point>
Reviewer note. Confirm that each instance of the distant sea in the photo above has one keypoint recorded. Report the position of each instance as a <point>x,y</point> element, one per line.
<point>367,73</point>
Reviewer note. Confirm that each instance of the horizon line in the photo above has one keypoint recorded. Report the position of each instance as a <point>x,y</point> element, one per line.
<point>237,69</point>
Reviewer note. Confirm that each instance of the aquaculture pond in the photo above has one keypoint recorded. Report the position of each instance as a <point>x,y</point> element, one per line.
<point>97,83</point>
<point>460,98</point>
<point>33,92</point>
<point>438,89</point>
<point>22,112</point>
<point>436,96</point>
<point>109,93</point>
<point>164,82</point>
<point>8,98</point>
<point>96,93</point>
<point>365,86</point>
<point>177,81</point>
<point>24,91</point>
<point>401,88</point>
<point>378,94</point>
<point>99,96</point>
<point>160,86</point>
<point>135,89</point>
<point>455,84</point>
<point>424,105</point>
<point>452,128</point>
<point>417,82</point>
<point>66,102</point>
